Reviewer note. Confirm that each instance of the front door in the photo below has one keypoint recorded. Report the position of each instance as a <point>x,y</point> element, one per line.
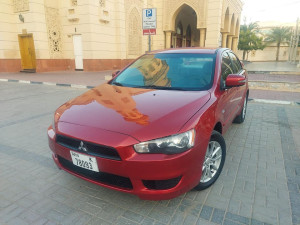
<point>77,42</point>
<point>178,42</point>
<point>227,100</point>
<point>27,52</point>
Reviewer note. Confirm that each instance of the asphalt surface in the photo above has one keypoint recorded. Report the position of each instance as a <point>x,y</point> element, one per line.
<point>259,184</point>
<point>81,79</point>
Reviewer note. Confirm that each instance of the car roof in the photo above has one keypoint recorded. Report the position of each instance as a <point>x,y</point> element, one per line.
<point>193,50</point>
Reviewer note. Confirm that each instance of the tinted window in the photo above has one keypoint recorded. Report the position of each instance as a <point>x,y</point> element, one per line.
<point>226,67</point>
<point>235,63</point>
<point>170,71</point>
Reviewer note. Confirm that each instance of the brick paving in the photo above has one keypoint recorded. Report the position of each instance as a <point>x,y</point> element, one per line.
<point>260,182</point>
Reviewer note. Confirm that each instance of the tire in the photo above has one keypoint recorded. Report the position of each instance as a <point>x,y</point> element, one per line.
<point>241,117</point>
<point>213,163</point>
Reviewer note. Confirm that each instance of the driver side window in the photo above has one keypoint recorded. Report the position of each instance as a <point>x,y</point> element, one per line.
<point>226,68</point>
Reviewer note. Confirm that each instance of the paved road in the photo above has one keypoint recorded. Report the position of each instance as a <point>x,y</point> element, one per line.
<point>259,184</point>
<point>275,95</point>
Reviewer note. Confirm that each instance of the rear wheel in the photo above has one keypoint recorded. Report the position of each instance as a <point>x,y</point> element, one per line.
<point>213,162</point>
<point>241,117</point>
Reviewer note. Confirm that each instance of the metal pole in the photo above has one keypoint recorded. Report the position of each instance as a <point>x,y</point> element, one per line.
<point>290,47</point>
<point>296,42</point>
<point>149,41</point>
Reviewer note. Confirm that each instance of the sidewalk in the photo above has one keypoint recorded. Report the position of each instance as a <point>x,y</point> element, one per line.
<point>272,67</point>
<point>63,77</point>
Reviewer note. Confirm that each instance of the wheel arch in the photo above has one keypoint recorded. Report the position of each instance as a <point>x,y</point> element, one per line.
<point>218,127</point>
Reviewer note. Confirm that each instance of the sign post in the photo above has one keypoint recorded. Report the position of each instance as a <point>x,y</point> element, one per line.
<point>149,24</point>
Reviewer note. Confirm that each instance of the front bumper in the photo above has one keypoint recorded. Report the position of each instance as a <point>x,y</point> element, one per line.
<point>149,176</point>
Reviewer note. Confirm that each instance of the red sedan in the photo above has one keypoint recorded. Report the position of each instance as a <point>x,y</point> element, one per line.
<point>155,130</point>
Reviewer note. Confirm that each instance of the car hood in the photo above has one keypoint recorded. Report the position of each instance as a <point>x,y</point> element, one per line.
<point>144,114</point>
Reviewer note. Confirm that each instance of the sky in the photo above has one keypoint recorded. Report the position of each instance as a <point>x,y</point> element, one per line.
<point>271,10</point>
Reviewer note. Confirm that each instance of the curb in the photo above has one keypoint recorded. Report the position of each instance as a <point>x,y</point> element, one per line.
<point>275,72</point>
<point>48,83</point>
<point>279,102</point>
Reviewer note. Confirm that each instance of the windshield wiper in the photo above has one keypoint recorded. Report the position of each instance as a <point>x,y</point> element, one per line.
<point>161,87</point>
<point>117,84</point>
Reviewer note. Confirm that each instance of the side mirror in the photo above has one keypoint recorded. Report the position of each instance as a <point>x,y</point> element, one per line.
<point>234,80</point>
<point>114,74</point>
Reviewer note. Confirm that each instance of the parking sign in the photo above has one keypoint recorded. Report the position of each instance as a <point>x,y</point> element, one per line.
<point>149,19</point>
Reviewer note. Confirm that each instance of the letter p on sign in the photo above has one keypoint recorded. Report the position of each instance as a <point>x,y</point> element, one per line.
<point>148,12</point>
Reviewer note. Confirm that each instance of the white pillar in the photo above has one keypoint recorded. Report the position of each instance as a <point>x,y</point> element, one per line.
<point>229,41</point>
<point>224,39</point>
<point>214,15</point>
<point>168,39</point>
<point>202,37</point>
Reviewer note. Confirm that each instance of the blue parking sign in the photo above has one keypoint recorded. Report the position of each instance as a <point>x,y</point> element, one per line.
<point>148,12</point>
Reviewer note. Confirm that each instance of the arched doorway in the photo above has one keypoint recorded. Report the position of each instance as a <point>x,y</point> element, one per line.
<point>186,33</point>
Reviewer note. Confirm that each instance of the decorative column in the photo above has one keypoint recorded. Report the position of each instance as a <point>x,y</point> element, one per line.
<point>229,41</point>
<point>224,39</point>
<point>168,39</point>
<point>202,37</point>
<point>234,44</point>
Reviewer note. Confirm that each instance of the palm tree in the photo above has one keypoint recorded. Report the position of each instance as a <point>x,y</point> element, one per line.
<point>249,39</point>
<point>279,35</point>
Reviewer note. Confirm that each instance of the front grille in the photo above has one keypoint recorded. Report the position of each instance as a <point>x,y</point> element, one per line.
<point>92,149</point>
<point>106,178</point>
<point>161,184</point>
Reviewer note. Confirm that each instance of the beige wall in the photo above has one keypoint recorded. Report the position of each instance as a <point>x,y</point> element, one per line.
<point>110,31</point>
<point>8,36</point>
<point>268,54</point>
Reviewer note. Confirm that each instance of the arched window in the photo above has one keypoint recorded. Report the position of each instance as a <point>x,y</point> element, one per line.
<point>179,29</point>
<point>134,29</point>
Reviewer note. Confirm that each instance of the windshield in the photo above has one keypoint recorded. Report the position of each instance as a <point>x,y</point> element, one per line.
<point>169,71</point>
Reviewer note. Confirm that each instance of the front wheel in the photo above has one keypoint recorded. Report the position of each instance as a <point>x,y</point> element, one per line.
<point>213,162</point>
<point>241,117</point>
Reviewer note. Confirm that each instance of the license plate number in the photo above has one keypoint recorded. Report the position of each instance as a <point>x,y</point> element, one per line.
<point>84,161</point>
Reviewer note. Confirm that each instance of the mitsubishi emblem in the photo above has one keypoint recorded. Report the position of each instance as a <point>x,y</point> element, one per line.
<point>82,147</point>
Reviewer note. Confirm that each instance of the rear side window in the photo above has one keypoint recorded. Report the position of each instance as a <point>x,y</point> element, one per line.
<point>235,63</point>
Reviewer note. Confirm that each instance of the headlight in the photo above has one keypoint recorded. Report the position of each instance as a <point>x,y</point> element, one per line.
<point>53,123</point>
<point>55,119</point>
<point>168,145</point>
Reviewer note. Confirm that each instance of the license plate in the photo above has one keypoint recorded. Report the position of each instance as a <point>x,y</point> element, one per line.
<point>84,161</point>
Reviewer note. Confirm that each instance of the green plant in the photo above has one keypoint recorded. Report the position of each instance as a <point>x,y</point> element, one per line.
<point>249,40</point>
<point>279,35</point>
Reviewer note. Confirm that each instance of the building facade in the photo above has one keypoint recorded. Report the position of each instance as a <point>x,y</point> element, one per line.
<point>93,35</point>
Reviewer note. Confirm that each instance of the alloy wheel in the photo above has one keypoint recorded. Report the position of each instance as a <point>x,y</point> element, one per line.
<point>212,161</point>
